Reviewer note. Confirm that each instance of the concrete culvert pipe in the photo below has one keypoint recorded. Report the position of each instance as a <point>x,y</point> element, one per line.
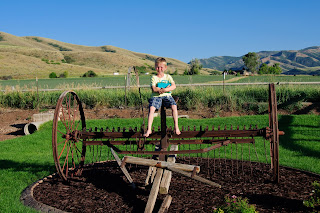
<point>32,127</point>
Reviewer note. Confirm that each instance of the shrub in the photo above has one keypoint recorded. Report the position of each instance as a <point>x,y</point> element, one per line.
<point>314,200</point>
<point>1,38</point>
<point>7,77</point>
<point>90,73</point>
<point>53,75</point>
<point>236,205</point>
<point>106,49</point>
<point>68,59</point>
<point>36,39</point>
<point>60,47</point>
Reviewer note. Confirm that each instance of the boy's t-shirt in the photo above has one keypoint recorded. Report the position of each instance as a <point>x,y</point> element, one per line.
<point>163,82</point>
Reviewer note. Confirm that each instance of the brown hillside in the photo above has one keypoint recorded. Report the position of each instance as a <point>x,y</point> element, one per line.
<point>30,56</point>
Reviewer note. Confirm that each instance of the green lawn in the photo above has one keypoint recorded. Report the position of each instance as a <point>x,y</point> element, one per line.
<point>29,158</point>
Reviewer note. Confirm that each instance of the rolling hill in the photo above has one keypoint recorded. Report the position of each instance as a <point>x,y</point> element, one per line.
<point>30,57</point>
<point>305,61</point>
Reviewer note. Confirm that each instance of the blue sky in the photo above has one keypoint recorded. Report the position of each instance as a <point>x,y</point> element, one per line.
<point>177,29</point>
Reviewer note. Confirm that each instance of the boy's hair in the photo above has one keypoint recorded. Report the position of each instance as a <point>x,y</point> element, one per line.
<point>160,60</point>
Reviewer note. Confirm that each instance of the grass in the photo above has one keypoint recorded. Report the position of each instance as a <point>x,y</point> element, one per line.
<point>67,83</point>
<point>29,158</point>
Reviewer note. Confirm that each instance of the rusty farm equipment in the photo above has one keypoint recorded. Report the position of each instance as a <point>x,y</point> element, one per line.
<point>71,140</point>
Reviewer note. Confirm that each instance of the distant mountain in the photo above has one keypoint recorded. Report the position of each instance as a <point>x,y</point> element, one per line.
<point>305,61</point>
<point>31,56</point>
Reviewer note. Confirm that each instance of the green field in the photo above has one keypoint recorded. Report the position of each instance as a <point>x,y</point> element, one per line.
<point>65,83</point>
<point>29,158</point>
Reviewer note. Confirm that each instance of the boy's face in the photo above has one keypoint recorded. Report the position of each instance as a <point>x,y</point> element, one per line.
<point>161,67</point>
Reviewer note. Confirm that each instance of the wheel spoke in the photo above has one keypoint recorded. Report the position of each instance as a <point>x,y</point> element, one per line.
<point>63,149</point>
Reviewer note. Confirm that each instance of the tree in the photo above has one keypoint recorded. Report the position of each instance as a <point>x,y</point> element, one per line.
<point>90,73</point>
<point>194,67</point>
<point>53,75</point>
<point>276,69</point>
<point>264,69</point>
<point>251,61</point>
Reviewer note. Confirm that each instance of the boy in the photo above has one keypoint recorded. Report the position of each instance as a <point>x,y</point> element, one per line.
<point>162,84</point>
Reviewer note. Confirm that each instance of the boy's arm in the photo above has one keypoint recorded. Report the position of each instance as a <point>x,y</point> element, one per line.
<point>169,88</point>
<point>155,89</point>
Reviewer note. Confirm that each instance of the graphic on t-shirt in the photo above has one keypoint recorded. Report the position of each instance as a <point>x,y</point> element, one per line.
<point>163,84</point>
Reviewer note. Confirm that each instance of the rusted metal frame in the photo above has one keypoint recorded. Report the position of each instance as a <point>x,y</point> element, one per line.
<point>224,143</point>
<point>171,142</point>
<point>184,134</point>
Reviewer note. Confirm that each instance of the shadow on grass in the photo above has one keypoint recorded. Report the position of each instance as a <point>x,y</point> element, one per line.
<point>26,167</point>
<point>287,142</point>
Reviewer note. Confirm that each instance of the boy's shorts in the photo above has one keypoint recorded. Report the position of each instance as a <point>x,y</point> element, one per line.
<point>168,101</point>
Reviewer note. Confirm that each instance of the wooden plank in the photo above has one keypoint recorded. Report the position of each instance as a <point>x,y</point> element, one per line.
<point>167,175</point>
<point>165,204</point>
<point>154,191</point>
<point>165,182</point>
<point>188,174</point>
<point>149,175</point>
<point>124,170</point>
<point>160,164</point>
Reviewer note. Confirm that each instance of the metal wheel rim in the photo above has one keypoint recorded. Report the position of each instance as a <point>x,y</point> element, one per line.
<point>68,153</point>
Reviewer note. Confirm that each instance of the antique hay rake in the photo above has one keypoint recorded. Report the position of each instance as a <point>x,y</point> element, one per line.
<point>71,141</point>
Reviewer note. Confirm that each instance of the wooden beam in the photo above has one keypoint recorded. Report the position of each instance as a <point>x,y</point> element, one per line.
<point>154,191</point>
<point>167,175</point>
<point>160,164</point>
<point>124,170</point>
<point>188,174</point>
<point>165,204</point>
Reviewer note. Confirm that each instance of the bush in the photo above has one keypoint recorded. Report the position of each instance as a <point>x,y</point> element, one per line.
<point>68,59</point>
<point>90,73</point>
<point>7,77</point>
<point>314,200</point>
<point>65,74</point>
<point>237,205</point>
<point>53,75</point>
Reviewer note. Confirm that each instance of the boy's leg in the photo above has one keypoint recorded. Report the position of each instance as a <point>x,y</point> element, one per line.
<point>152,109</point>
<point>175,119</point>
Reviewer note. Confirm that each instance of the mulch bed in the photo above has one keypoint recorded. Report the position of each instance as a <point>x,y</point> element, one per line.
<point>103,188</point>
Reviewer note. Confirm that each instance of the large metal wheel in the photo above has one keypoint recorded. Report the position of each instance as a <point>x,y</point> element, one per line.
<point>68,149</point>
<point>274,139</point>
